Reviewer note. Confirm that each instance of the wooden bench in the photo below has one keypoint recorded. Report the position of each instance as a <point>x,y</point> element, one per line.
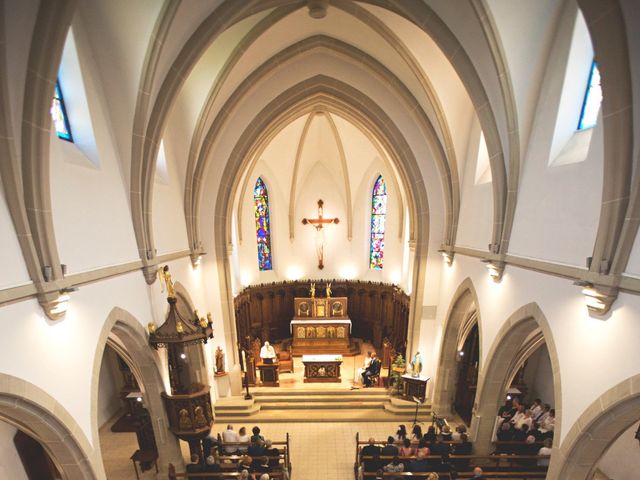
<point>173,475</point>
<point>499,463</point>
<point>505,475</point>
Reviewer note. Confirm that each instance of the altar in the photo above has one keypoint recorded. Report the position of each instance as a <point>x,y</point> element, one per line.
<point>322,368</point>
<point>320,325</point>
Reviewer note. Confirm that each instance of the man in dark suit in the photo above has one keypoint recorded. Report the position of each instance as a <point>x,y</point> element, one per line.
<point>371,450</point>
<point>420,464</point>
<point>390,450</point>
<point>194,466</point>
<point>372,370</point>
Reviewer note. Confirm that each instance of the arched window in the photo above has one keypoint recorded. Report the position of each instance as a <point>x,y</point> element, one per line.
<point>378,213</point>
<point>592,100</point>
<point>59,115</point>
<point>263,229</point>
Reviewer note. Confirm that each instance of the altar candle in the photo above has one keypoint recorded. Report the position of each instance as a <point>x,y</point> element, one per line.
<point>244,362</point>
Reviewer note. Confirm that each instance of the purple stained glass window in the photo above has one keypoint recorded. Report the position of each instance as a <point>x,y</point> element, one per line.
<point>263,229</point>
<point>59,115</point>
<point>378,213</point>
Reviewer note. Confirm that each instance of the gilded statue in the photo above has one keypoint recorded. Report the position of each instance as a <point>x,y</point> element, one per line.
<point>312,290</point>
<point>166,282</point>
<point>219,360</point>
<point>201,420</point>
<point>184,421</point>
<point>328,289</point>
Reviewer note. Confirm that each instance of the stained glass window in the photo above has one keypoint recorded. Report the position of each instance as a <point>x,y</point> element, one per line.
<point>263,230</point>
<point>378,212</point>
<point>592,100</point>
<point>59,115</point>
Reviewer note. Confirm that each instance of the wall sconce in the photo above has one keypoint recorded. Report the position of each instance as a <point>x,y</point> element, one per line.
<point>196,258</point>
<point>597,299</point>
<point>57,308</point>
<point>496,269</point>
<point>447,256</point>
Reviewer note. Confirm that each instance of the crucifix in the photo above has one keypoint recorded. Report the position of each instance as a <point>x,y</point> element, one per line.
<point>319,224</point>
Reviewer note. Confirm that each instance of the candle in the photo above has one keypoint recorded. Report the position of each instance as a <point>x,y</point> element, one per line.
<point>244,362</point>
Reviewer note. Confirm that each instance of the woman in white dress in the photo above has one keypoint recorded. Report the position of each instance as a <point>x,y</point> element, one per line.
<point>367,362</point>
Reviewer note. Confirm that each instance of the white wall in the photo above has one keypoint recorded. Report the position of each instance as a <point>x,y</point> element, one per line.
<point>539,377</point>
<point>622,460</point>
<point>10,464</point>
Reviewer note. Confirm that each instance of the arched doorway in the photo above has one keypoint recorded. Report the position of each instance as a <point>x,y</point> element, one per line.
<point>22,408</point>
<point>463,314</point>
<point>467,378</point>
<point>127,336</point>
<point>523,333</point>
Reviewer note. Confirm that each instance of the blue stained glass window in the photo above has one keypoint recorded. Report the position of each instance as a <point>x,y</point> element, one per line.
<point>59,115</point>
<point>592,100</point>
<point>378,213</point>
<point>263,229</point>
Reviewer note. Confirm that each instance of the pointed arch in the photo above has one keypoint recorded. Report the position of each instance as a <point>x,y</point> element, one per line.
<point>263,225</point>
<point>378,217</point>
<point>516,335</point>
<point>463,313</point>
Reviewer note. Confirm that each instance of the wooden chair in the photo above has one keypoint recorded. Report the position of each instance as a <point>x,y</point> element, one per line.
<point>285,360</point>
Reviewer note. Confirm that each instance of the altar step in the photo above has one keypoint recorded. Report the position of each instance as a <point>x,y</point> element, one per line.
<point>321,405</point>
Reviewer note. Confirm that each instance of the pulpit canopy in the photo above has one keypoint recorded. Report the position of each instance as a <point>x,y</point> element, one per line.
<point>179,330</point>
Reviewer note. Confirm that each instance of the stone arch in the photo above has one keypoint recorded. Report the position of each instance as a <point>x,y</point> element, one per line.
<point>595,430</point>
<point>35,412</point>
<point>462,307</point>
<point>493,377</point>
<point>127,336</point>
<point>361,110</point>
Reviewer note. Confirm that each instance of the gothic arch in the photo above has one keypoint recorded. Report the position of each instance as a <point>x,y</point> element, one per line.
<point>35,412</point>
<point>127,336</point>
<point>595,430</point>
<point>462,307</point>
<point>361,110</point>
<point>493,377</point>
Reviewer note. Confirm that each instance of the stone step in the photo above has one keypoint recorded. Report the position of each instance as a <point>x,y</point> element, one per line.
<point>378,399</point>
<point>235,412</point>
<point>320,406</point>
<point>275,391</point>
<point>359,415</point>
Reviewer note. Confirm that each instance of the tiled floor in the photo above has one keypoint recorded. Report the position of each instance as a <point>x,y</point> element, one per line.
<point>319,451</point>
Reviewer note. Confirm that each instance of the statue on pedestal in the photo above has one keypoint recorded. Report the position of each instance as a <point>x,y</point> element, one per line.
<point>416,365</point>
<point>166,282</point>
<point>328,289</point>
<point>219,360</point>
<point>312,290</point>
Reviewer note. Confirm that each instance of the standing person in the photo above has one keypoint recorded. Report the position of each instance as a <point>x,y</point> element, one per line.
<point>267,353</point>
<point>230,436</point>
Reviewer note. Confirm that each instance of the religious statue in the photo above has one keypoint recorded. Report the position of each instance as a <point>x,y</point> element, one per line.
<point>219,360</point>
<point>201,420</point>
<point>184,421</point>
<point>416,365</point>
<point>318,224</point>
<point>151,327</point>
<point>166,282</point>
<point>328,289</point>
<point>312,290</point>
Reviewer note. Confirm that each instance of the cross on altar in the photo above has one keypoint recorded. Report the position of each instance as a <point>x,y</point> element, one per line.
<point>319,224</point>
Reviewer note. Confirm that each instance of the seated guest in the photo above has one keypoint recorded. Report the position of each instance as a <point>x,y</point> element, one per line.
<point>460,429</point>
<point>256,435</point>
<point>245,463</point>
<point>420,464</point>
<point>416,434</point>
<point>244,475</point>
<point>194,466</point>
<point>423,447</point>
<point>535,432</point>
<point>372,371</point>
<point>507,411</point>
<point>447,436</point>
<point>478,474</point>
<point>526,419</point>
<point>440,448</point>
<point>545,413</point>
<point>401,434</point>
<point>230,436</point>
<point>519,415</point>
<point>256,449</point>
<point>380,474</point>
<point>549,422</point>
<point>464,447</point>
<point>546,452</point>
<point>433,476</point>
<point>265,476</point>
<point>243,438</point>
<point>521,434</point>
<point>394,466</point>
<point>506,432</point>
<point>407,450</point>
<point>431,435</point>
<point>272,453</point>
<point>389,450</point>
<point>530,448</point>
<point>211,466</point>
<point>536,409</point>
<point>371,450</point>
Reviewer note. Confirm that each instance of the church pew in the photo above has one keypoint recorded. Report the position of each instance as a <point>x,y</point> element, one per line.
<point>505,475</point>
<point>503,463</point>
<point>423,475</point>
<point>174,475</point>
<point>285,450</point>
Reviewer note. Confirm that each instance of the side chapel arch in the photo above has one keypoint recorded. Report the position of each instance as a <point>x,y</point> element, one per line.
<point>30,409</point>
<point>463,307</point>
<point>494,377</point>
<point>127,336</point>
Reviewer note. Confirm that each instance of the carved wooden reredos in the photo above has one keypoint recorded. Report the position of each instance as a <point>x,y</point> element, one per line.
<point>377,310</point>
